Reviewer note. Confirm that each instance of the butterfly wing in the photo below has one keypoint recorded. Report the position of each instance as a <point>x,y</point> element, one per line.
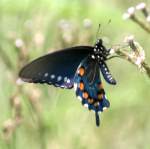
<point>106,73</point>
<point>57,68</point>
<point>88,86</point>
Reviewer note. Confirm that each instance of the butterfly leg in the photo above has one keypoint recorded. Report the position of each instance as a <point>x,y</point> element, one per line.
<point>106,74</point>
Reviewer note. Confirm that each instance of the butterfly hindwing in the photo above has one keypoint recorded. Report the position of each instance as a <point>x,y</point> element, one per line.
<point>57,68</point>
<point>89,88</point>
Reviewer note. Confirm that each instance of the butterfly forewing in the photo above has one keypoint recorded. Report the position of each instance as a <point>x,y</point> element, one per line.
<point>57,68</point>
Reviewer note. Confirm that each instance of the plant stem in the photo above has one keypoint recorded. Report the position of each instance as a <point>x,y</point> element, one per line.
<point>5,59</point>
<point>147,68</point>
<point>140,23</point>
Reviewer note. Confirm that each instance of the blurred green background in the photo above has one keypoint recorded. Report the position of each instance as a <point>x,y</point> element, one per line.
<point>44,117</point>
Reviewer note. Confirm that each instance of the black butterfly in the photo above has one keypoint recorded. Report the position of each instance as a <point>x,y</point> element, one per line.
<point>76,67</point>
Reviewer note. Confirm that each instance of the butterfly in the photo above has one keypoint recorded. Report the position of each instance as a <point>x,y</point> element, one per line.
<point>77,67</point>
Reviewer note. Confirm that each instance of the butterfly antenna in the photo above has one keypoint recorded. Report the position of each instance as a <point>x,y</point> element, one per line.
<point>99,27</point>
<point>98,31</point>
<point>109,21</point>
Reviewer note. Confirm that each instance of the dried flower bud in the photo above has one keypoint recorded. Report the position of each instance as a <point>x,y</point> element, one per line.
<point>138,54</point>
<point>141,6</point>
<point>141,52</point>
<point>19,81</point>
<point>126,16</point>
<point>131,11</point>
<point>148,18</point>
<point>128,39</point>
<point>39,39</point>
<point>8,125</point>
<point>112,51</point>
<point>87,23</point>
<point>19,43</point>
<point>64,24</point>
<point>36,93</point>
<point>18,119</point>
<point>8,129</point>
<point>17,103</point>
<point>67,37</point>
<point>34,96</point>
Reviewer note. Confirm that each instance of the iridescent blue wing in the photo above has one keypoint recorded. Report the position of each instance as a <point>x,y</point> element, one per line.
<point>89,88</point>
<point>57,68</point>
<point>106,73</point>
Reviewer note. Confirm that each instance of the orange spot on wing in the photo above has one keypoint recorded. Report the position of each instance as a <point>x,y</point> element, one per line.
<point>101,86</point>
<point>85,95</point>
<point>100,96</point>
<point>81,86</point>
<point>81,71</point>
<point>90,100</point>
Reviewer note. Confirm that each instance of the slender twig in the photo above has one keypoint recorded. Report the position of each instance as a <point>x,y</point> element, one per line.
<point>140,23</point>
<point>5,59</point>
<point>147,68</point>
<point>111,57</point>
<point>135,54</point>
<point>131,14</point>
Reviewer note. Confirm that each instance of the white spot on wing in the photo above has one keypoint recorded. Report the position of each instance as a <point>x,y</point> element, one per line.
<point>52,76</point>
<point>68,81</point>
<point>57,85</point>
<point>62,86</point>
<point>46,74</point>
<point>75,86</point>
<point>79,98</point>
<point>111,79</point>
<point>59,78</point>
<point>93,56</point>
<point>65,79</point>
<point>86,105</point>
<point>104,108</point>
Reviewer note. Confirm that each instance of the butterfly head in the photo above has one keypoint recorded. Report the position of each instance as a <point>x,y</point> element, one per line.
<point>100,52</point>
